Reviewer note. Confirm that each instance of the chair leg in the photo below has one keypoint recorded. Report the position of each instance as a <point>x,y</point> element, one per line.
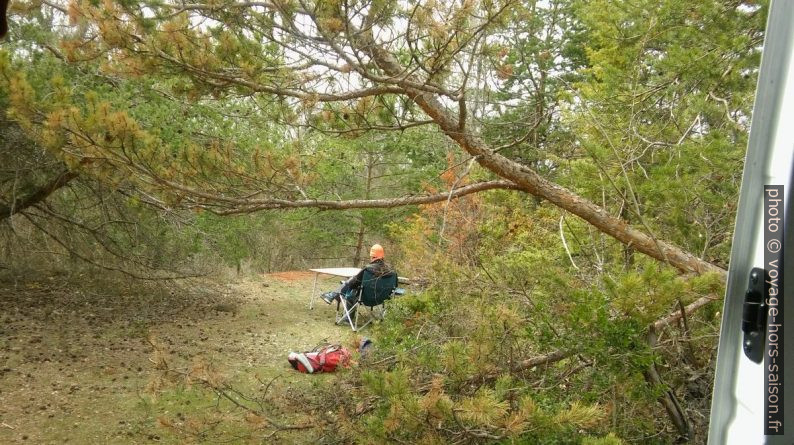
<point>365,324</point>
<point>340,315</point>
<point>346,313</point>
<point>350,319</point>
<point>340,303</point>
<point>373,315</point>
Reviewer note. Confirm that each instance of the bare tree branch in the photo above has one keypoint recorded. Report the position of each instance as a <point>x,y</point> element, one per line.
<point>19,204</point>
<point>688,309</point>
<point>546,359</point>
<point>272,204</point>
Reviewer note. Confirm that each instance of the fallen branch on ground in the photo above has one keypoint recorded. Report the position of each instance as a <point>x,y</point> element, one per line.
<point>688,310</point>
<point>547,359</point>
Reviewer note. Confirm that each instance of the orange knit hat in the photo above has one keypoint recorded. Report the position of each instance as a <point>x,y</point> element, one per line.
<point>376,252</point>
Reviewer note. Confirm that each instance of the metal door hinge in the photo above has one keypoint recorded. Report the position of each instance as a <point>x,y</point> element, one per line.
<point>754,316</point>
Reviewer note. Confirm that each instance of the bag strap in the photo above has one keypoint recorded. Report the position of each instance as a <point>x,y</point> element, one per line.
<point>305,362</point>
<point>321,346</point>
<point>325,351</point>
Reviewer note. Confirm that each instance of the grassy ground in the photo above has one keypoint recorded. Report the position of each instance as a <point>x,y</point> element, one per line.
<point>75,363</point>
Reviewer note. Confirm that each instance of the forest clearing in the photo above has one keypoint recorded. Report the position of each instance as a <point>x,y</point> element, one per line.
<point>559,179</point>
<point>77,369</point>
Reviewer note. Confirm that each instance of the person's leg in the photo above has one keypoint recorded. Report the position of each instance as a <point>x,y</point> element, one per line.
<point>347,286</point>
<point>351,296</point>
<point>330,297</point>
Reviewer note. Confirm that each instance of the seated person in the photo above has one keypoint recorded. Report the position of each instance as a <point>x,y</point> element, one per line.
<point>377,266</point>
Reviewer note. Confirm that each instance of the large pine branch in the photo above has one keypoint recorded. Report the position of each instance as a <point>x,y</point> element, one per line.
<point>531,182</point>
<point>227,205</point>
<point>40,194</point>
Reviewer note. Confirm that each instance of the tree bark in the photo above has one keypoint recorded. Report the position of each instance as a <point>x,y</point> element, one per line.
<point>688,309</point>
<point>3,18</point>
<point>547,359</point>
<point>245,205</point>
<point>668,399</point>
<point>359,241</point>
<point>361,226</point>
<point>19,204</point>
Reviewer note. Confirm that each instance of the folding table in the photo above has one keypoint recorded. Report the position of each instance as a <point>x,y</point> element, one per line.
<point>345,272</point>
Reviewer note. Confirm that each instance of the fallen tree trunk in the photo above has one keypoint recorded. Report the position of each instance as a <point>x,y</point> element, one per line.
<point>533,183</point>
<point>19,204</point>
<point>529,180</point>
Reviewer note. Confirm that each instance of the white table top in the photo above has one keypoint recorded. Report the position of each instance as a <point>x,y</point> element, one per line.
<point>338,271</point>
<point>348,272</point>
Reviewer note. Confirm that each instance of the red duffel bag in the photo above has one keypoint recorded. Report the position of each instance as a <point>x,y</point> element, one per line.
<point>322,359</point>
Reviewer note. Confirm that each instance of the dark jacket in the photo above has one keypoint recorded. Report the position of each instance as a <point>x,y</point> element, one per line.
<point>378,268</point>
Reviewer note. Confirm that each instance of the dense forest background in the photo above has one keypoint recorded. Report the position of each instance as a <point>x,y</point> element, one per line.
<point>559,177</point>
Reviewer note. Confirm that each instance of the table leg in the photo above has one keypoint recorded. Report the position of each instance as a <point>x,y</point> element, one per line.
<point>314,291</point>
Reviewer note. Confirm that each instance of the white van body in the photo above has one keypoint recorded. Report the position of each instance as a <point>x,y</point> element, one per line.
<point>737,409</point>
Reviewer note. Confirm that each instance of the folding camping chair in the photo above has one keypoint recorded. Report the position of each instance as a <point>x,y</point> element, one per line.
<point>374,291</point>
